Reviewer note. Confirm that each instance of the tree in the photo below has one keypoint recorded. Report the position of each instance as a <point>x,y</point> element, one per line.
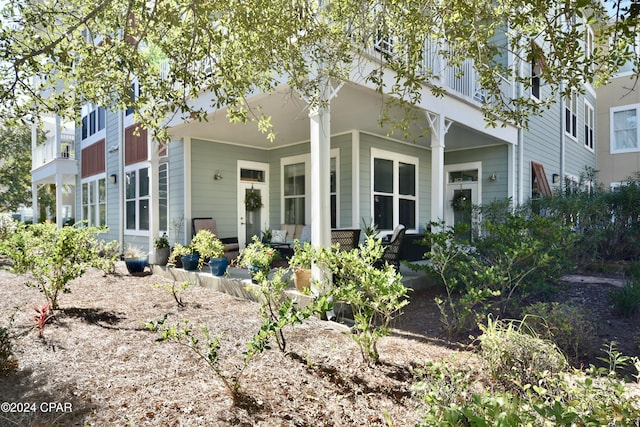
<point>232,49</point>
<point>15,168</point>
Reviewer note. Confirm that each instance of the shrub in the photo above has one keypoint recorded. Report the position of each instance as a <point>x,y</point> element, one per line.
<point>626,300</point>
<point>53,256</point>
<point>529,391</point>
<point>515,355</point>
<point>8,361</point>
<point>376,295</point>
<point>569,327</point>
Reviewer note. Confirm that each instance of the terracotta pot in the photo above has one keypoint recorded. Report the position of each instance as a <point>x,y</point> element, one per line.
<point>302,279</point>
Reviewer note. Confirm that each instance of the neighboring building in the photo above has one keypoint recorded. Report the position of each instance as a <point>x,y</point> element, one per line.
<point>139,190</point>
<point>618,124</point>
<point>54,163</point>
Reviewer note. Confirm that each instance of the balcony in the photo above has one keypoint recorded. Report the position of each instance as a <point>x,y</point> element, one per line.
<point>50,151</point>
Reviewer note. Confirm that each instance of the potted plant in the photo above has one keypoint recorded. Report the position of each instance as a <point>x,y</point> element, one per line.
<point>161,245</point>
<point>186,255</point>
<point>211,250</point>
<point>258,257</point>
<point>304,255</point>
<point>135,260</point>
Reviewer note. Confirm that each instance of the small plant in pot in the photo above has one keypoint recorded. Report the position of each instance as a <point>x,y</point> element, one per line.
<point>258,257</point>
<point>304,255</point>
<point>208,246</point>
<point>135,260</point>
<point>161,245</point>
<point>186,255</point>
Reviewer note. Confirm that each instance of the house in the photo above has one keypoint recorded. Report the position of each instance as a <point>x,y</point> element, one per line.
<point>331,167</point>
<point>618,119</point>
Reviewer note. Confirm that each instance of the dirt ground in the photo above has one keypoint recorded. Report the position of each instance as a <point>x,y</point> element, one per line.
<point>98,365</point>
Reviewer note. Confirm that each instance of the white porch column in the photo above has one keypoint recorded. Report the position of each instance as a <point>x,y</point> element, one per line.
<point>439,127</point>
<point>59,184</point>
<point>154,193</point>
<point>320,170</point>
<point>34,185</point>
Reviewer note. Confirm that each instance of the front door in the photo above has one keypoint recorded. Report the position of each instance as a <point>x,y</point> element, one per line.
<point>253,200</point>
<point>461,195</point>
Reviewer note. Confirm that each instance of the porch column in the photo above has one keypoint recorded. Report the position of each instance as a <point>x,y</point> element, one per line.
<point>34,185</point>
<point>439,127</point>
<point>59,184</point>
<point>320,169</point>
<point>154,194</point>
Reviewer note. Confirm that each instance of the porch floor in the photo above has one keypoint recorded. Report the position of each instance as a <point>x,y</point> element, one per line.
<point>238,283</point>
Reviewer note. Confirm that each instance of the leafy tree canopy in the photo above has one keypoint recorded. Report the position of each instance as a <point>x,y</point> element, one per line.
<point>15,167</point>
<point>93,50</point>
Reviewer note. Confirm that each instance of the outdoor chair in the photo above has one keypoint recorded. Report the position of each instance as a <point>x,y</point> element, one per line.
<point>392,247</point>
<point>231,245</point>
<point>348,239</point>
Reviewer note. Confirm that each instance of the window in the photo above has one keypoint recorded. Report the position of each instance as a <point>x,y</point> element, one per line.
<point>94,201</point>
<point>134,92</point>
<point>537,62</point>
<point>589,121</point>
<point>624,129</point>
<point>93,120</point>
<point>571,115</point>
<point>295,188</point>
<point>294,193</point>
<point>137,199</point>
<point>589,42</point>
<point>394,190</point>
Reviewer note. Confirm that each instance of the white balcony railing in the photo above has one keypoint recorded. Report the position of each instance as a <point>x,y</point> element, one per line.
<point>50,151</point>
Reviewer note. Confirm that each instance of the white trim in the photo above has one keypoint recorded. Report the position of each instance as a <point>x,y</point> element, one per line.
<point>306,159</point>
<point>476,184</point>
<point>355,179</point>
<point>588,105</point>
<point>241,186</point>
<point>396,158</point>
<point>613,110</point>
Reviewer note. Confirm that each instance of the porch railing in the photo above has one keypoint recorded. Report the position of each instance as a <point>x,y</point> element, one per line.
<point>51,150</point>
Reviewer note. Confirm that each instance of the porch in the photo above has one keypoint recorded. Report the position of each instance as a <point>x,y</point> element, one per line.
<point>237,281</point>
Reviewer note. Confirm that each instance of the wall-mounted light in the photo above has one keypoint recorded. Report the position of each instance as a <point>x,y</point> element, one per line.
<point>217,176</point>
<point>493,177</point>
<point>113,178</point>
<point>555,178</point>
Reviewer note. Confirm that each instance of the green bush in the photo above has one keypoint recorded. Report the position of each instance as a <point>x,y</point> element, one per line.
<point>375,293</point>
<point>528,391</point>
<point>53,256</point>
<point>626,300</point>
<point>8,361</point>
<point>569,327</point>
<point>515,355</point>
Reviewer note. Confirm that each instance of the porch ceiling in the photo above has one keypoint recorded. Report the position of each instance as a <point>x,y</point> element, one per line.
<point>354,107</point>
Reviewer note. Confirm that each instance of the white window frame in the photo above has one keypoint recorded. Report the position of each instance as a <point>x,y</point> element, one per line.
<point>589,137</point>
<point>163,194</point>
<point>137,231</point>
<point>612,135</point>
<point>571,108</point>
<point>91,202</point>
<point>396,158</point>
<point>98,133</point>
<point>306,159</point>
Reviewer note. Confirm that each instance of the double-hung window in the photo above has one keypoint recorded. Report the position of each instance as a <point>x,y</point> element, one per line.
<point>137,199</point>
<point>296,187</point>
<point>395,192</point>
<point>625,136</point>
<point>589,125</point>
<point>94,201</point>
<point>571,115</point>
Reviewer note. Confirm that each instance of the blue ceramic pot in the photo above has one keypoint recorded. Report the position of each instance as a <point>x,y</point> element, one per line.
<point>136,265</point>
<point>190,262</point>
<point>218,266</point>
